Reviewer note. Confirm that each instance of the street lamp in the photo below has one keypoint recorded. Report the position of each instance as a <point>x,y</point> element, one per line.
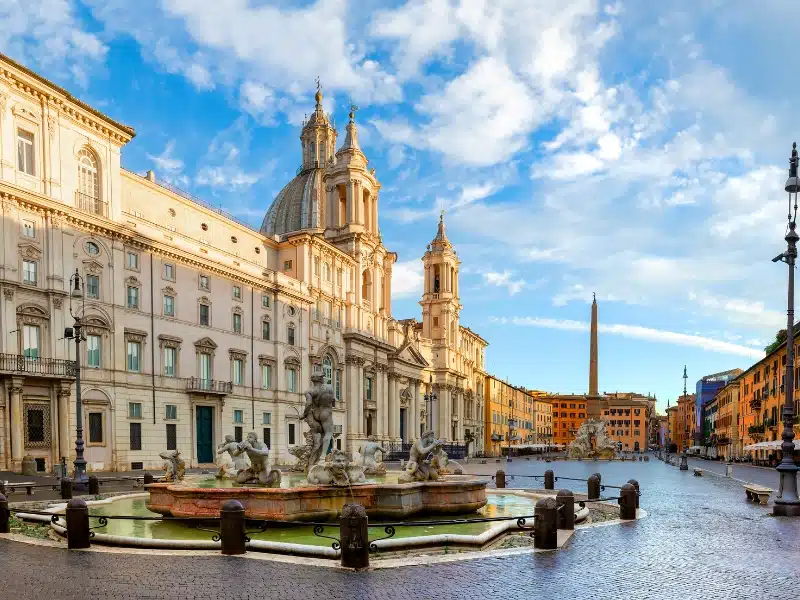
<point>77,308</point>
<point>788,504</point>
<point>429,398</point>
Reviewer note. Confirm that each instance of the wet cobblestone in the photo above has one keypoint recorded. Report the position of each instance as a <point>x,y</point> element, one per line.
<point>702,539</point>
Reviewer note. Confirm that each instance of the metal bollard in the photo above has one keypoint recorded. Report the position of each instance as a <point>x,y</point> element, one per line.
<point>231,528</point>
<point>566,515</point>
<point>549,480</point>
<point>627,503</point>
<point>4,515</point>
<point>500,479</point>
<point>729,470</point>
<point>148,478</point>
<point>77,524</point>
<point>545,527</point>
<point>684,464</point>
<point>635,484</point>
<point>66,488</point>
<point>354,536</point>
<point>94,485</point>
<point>593,485</point>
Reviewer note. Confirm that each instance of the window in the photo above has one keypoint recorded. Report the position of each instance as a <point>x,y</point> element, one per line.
<point>93,351</point>
<point>30,341</point>
<point>238,371</point>
<point>316,266</point>
<point>205,315</point>
<point>172,436</point>
<point>133,260</point>
<point>237,434</point>
<point>338,278</point>
<point>88,180</point>
<point>134,410</point>
<point>435,321</point>
<point>133,296</point>
<point>265,330</point>
<point>265,301</point>
<point>95,428</point>
<point>25,154</point>
<point>266,378</point>
<point>29,272</point>
<point>291,379</point>
<point>266,419</point>
<point>368,388</point>
<point>136,436</point>
<point>268,437</point>
<point>326,272</point>
<point>92,249</point>
<point>291,434</point>
<point>287,265</point>
<point>327,371</point>
<point>169,272</point>
<point>93,286</point>
<point>28,229</point>
<point>238,416</point>
<point>169,361</point>
<point>134,356</point>
<point>204,282</point>
<point>237,323</point>
<point>290,335</point>
<point>169,306</point>
<point>171,412</point>
<point>237,292</point>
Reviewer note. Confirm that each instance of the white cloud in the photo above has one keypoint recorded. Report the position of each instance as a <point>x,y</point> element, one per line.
<point>637,332</point>
<point>257,99</point>
<point>166,161</point>
<point>407,279</point>
<point>506,280</point>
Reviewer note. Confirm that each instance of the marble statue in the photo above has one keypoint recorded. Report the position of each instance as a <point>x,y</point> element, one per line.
<point>234,463</point>
<point>258,471</point>
<point>591,441</point>
<point>318,415</point>
<point>419,466</point>
<point>302,452</point>
<point>175,465</point>
<point>368,461</point>
<point>335,471</point>
<point>441,463</point>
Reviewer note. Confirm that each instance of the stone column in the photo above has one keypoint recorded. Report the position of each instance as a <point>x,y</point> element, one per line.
<point>390,405</point>
<point>384,409</point>
<point>17,429</point>
<point>350,192</point>
<point>63,393</point>
<point>360,397</point>
<point>378,392</point>
<point>415,408</point>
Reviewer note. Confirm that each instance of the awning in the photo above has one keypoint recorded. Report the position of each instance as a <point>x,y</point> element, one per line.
<point>773,445</point>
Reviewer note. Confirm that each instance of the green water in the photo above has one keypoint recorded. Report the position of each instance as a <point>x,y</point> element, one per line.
<point>499,505</point>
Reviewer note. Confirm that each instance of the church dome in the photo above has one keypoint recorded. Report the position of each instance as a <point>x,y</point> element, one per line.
<point>298,205</point>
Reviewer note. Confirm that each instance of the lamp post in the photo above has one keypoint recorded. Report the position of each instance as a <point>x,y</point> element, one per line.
<point>77,308</point>
<point>429,398</point>
<point>511,424</point>
<point>788,504</point>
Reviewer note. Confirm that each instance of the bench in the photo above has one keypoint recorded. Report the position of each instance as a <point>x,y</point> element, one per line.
<point>11,487</point>
<point>757,492</point>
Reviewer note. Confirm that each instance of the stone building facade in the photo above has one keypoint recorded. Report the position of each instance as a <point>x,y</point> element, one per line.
<point>197,325</point>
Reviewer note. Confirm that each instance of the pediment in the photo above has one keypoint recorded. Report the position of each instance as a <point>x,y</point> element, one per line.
<point>409,354</point>
<point>206,342</point>
<point>30,251</point>
<point>92,266</point>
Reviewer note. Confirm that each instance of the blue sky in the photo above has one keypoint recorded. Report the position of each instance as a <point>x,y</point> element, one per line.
<point>633,149</point>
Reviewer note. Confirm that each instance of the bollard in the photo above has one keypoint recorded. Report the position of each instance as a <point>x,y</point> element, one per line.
<point>635,484</point>
<point>66,488</point>
<point>549,480</point>
<point>729,470</point>
<point>458,471</point>
<point>148,478</point>
<point>94,485</point>
<point>627,503</point>
<point>77,524</point>
<point>545,527</point>
<point>566,514</point>
<point>684,464</point>
<point>646,459</point>
<point>231,528</point>
<point>354,536</point>
<point>593,485</point>
<point>4,515</point>
<point>500,479</point>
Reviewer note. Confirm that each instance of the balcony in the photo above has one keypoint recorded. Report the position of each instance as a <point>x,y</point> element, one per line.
<point>40,367</point>
<point>195,385</point>
<point>91,204</point>
<point>755,403</point>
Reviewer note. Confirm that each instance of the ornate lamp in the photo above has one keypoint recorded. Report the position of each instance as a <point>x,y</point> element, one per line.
<point>77,308</point>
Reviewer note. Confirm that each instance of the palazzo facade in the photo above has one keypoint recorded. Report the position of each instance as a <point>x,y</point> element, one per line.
<point>197,325</point>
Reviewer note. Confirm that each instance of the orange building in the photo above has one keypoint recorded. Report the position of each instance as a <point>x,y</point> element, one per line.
<point>687,422</point>
<point>727,432</point>
<point>673,425</point>
<point>510,416</point>
<point>569,413</point>
<point>626,418</point>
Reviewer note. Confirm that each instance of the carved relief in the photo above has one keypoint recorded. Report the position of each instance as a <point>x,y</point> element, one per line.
<point>93,267</point>
<point>135,335</point>
<point>8,293</point>
<point>405,397</point>
<point>28,250</point>
<point>131,280</point>
<point>57,302</point>
<point>51,126</point>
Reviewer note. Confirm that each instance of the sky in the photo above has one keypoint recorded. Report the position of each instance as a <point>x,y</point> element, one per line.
<point>636,150</point>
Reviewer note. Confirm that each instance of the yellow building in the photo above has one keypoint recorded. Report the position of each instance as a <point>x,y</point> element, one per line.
<point>515,417</point>
<point>626,420</point>
<point>728,434</point>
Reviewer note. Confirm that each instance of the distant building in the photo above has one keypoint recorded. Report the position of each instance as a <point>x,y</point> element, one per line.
<point>706,389</point>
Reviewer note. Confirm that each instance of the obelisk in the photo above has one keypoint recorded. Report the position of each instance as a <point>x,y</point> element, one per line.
<point>593,399</point>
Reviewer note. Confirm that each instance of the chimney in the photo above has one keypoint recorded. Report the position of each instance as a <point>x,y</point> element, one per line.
<point>150,176</point>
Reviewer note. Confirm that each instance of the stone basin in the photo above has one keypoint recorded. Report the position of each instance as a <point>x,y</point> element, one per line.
<point>451,495</point>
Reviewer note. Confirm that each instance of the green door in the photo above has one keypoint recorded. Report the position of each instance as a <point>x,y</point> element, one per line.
<point>205,440</point>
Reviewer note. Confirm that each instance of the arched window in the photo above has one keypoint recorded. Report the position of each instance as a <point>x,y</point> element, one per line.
<point>365,285</point>
<point>327,370</point>
<point>88,182</point>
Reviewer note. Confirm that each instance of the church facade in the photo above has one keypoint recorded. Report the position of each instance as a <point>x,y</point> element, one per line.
<point>197,325</point>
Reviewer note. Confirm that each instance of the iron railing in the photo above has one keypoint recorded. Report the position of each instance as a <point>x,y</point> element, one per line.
<point>91,204</point>
<point>53,367</point>
<point>401,450</point>
<point>210,386</point>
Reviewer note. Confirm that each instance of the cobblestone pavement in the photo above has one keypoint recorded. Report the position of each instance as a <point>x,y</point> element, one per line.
<point>760,475</point>
<point>701,539</point>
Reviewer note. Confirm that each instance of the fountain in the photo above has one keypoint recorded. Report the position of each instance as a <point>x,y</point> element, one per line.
<point>591,441</point>
<point>330,482</point>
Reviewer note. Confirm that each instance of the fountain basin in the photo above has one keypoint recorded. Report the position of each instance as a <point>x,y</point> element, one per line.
<point>448,496</point>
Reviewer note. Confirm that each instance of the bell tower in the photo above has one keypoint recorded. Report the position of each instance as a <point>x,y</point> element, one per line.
<point>318,138</point>
<point>440,301</point>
